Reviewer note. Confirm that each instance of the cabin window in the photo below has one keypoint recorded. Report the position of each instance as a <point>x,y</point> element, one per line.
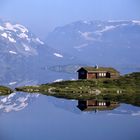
<point>102,104</point>
<point>102,74</point>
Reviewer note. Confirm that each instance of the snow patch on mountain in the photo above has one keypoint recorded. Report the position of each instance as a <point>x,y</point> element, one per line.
<point>12,40</point>
<point>9,26</point>
<point>136,22</point>
<point>81,46</point>
<point>1,28</point>
<point>107,28</point>
<point>13,27</point>
<point>86,22</point>
<point>23,35</point>
<point>87,35</point>
<point>39,41</point>
<point>8,36</point>
<point>21,28</point>
<point>12,83</point>
<point>112,21</point>
<point>12,52</point>
<point>27,48</point>
<point>4,35</point>
<point>58,55</point>
<point>124,24</point>
<point>58,80</point>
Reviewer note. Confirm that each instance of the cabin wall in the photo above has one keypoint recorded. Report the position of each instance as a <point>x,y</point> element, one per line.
<point>82,74</point>
<point>82,103</point>
<point>91,103</point>
<point>91,76</point>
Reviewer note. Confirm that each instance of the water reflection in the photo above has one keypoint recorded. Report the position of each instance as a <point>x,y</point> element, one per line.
<point>96,105</point>
<point>51,118</point>
<point>16,101</point>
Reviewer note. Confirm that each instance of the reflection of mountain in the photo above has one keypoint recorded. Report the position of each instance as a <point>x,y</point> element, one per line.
<point>19,101</point>
<point>16,101</point>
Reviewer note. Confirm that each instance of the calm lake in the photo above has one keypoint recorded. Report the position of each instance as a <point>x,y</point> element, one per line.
<point>38,117</point>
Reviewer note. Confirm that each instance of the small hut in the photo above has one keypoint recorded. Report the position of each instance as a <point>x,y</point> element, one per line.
<point>97,72</point>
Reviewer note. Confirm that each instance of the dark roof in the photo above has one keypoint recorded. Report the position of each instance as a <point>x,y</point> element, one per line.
<point>100,69</point>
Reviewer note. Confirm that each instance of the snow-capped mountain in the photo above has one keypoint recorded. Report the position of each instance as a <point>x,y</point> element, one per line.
<point>110,42</point>
<point>23,56</point>
<point>16,39</point>
<point>17,35</point>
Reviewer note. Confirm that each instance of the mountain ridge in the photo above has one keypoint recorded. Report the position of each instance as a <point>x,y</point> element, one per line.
<point>23,55</point>
<point>113,43</point>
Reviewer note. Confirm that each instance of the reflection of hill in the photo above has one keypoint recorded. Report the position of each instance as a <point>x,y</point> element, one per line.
<point>113,109</point>
<point>83,105</point>
<point>19,101</point>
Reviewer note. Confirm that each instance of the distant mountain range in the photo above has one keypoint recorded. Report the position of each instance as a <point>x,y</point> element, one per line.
<point>23,55</point>
<point>109,43</point>
<point>25,58</point>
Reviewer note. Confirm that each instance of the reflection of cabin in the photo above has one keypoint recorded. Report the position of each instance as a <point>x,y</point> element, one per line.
<point>90,105</point>
<point>97,72</point>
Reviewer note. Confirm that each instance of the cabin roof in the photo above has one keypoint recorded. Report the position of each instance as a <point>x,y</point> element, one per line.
<point>99,69</point>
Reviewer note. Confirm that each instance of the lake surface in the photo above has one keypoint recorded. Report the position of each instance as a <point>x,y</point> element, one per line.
<point>26,116</point>
<point>38,117</point>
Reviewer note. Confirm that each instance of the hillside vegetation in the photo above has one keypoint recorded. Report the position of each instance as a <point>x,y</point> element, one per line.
<point>126,88</point>
<point>5,90</point>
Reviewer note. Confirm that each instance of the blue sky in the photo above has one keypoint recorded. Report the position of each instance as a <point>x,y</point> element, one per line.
<point>41,16</point>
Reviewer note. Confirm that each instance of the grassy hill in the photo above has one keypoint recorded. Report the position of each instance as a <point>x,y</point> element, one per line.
<point>126,88</point>
<point>5,90</point>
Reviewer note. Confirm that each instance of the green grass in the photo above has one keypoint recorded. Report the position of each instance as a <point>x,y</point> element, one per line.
<point>5,90</point>
<point>126,88</point>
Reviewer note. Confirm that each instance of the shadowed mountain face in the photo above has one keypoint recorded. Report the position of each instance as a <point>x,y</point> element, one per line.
<point>115,43</point>
<point>23,56</point>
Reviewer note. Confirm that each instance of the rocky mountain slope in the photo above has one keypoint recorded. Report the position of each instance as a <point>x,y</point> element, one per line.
<point>114,43</point>
<point>23,56</point>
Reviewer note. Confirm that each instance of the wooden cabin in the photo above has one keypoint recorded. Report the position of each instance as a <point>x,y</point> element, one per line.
<point>90,105</point>
<point>97,72</point>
